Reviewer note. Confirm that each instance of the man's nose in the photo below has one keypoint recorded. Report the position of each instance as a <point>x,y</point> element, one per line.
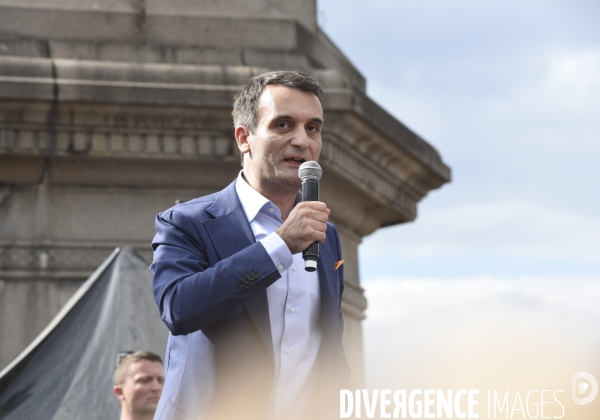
<point>300,138</point>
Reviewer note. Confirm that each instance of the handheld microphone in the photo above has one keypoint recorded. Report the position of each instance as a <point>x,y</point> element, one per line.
<point>310,173</point>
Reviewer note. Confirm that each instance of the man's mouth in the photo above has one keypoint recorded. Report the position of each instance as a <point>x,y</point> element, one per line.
<point>294,160</point>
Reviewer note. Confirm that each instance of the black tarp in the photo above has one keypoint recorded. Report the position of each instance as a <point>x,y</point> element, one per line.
<point>66,372</point>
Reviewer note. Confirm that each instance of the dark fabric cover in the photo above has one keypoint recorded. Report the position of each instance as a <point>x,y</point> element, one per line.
<point>66,372</point>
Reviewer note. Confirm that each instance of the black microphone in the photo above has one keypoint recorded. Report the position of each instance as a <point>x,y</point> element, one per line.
<point>310,173</point>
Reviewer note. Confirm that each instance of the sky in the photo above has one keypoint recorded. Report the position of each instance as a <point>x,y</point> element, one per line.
<point>509,93</point>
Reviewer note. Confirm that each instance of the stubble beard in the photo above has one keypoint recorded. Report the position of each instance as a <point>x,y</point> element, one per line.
<point>284,182</point>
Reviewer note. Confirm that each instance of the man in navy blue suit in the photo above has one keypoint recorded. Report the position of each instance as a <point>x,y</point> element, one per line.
<point>254,335</point>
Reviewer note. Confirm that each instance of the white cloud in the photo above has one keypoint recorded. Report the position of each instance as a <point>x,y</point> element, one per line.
<point>481,332</point>
<point>524,157</point>
<point>560,94</point>
<point>509,227</point>
<point>574,78</point>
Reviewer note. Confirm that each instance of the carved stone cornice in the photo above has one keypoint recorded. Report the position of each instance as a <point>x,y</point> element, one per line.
<point>414,164</point>
<point>361,171</point>
<point>210,33</point>
<point>76,260</point>
<point>142,93</point>
<point>385,181</point>
<point>57,259</point>
<point>117,132</point>
<point>355,118</point>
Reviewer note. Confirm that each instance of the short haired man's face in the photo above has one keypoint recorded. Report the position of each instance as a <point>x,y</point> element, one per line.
<point>142,387</point>
<point>288,133</point>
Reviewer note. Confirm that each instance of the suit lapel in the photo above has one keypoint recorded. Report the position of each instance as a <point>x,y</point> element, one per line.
<point>230,233</point>
<point>329,287</point>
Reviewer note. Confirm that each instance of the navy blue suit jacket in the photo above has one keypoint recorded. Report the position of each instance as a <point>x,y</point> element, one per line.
<point>210,280</point>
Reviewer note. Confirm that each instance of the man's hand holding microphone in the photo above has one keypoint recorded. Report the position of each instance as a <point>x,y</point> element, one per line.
<point>305,227</point>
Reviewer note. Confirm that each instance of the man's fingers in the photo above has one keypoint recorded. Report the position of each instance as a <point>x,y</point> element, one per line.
<point>319,217</point>
<point>319,226</point>
<point>316,205</point>
<point>307,223</point>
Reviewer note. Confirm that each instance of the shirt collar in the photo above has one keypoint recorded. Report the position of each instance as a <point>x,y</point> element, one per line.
<point>253,201</point>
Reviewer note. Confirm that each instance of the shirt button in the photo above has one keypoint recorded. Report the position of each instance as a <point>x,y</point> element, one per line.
<point>288,351</point>
<point>271,209</point>
<point>280,267</point>
<point>294,267</point>
<point>292,310</point>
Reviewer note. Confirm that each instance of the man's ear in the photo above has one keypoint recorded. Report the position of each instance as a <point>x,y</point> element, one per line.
<point>241,137</point>
<point>118,391</point>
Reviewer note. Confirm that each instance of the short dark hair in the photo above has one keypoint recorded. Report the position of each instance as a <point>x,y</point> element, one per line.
<point>245,104</point>
<point>129,359</point>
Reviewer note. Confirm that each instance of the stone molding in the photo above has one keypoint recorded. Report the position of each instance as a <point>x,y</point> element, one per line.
<point>364,173</point>
<point>78,260</point>
<point>354,302</point>
<point>57,259</point>
<point>130,35</point>
<point>355,151</point>
<point>75,81</point>
<point>190,144</point>
<point>121,143</point>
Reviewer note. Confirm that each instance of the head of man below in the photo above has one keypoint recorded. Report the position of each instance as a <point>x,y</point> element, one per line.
<point>278,120</point>
<point>138,383</point>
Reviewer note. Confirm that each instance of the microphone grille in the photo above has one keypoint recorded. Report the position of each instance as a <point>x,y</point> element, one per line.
<point>310,170</point>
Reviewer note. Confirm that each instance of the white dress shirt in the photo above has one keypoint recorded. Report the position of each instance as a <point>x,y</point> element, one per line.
<point>294,309</point>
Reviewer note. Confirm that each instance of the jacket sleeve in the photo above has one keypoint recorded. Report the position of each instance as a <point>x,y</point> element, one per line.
<point>192,295</point>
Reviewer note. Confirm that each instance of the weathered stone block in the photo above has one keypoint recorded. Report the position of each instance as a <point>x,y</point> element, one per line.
<point>170,144</point>
<point>152,144</point>
<point>221,32</point>
<point>63,140</point>
<point>43,141</point>
<point>80,142</point>
<point>26,306</point>
<point>85,25</point>
<point>7,138</point>
<point>135,143</point>
<point>205,146</point>
<point>98,142</point>
<point>188,145</point>
<point>116,142</point>
<point>222,146</point>
<point>26,139</point>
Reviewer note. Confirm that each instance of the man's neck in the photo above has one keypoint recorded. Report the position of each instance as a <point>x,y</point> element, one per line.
<point>127,415</point>
<point>284,200</point>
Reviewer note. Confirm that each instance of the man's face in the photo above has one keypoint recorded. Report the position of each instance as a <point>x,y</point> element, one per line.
<point>288,133</point>
<point>142,387</point>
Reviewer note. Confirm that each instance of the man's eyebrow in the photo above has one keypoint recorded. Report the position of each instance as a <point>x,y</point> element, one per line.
<point>289,117</point>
